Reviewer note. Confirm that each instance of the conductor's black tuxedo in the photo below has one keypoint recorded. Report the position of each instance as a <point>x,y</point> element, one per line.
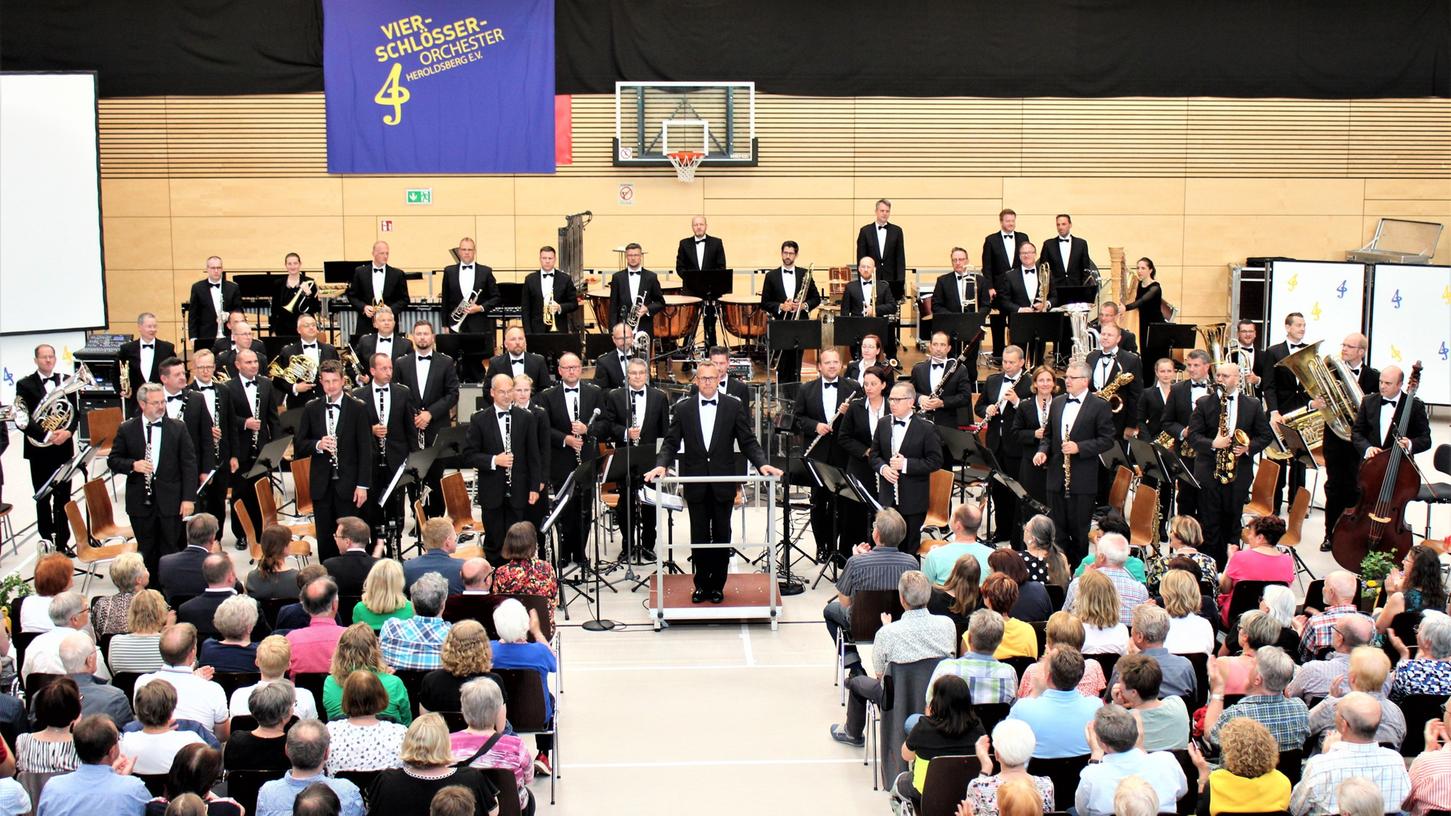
<point>194,415</point>
<point>155,514</point>
<point>51,521</point>
<point>368,346</point>
<point>476,276</point>
<point>437,396</point>
<point>217,401</point>
<point>995,264</point>
<point>561,285</point>
<point>1281,391</point>
<point>503,499</point>
<point>889,251</point>
<point>946,298</point>
<point>1093,431</point>
<point>911,495</point>
<point>227,357</point>
<point>333,486</point>
<point>1124,362</point>
<point>201,312</point>
<point>1366,433</point>
<point>1221,505</point>
<point>394,295</point>
<point>813,408</point>
<point>244,399</point>
<point>622,304</point>
<point>610,369</point>
<point>130,353</point>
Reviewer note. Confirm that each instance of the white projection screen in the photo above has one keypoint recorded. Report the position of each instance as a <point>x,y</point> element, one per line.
<point>52,277</point>
<point>1410,320</point>
<point>1330,295</point>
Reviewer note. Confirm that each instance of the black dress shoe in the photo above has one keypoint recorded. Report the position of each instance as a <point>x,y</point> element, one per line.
<point>717,597</point>
<point>1325,545</point>
<point>697,596</point>
<point>645,555</point>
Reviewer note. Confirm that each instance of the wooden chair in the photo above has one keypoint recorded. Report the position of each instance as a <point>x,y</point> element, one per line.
<point>102,425</point>
<point>267,508</point>
<point>102,514</point>
<point>300,548</point>
<point>1262,492</point>
<point>1118,493</point>
<point>506,784</point>
<point>302,487</point>
<point>946,783</point>
<point>1142,532</point>
<point>867,606</point>
<point>1246,596</point>
<point>456,505</point>
<point>468,551</point>
<point>1295,522</point>
<point>88,554</point>
<point>1063,772</point>
<point>939,501</point>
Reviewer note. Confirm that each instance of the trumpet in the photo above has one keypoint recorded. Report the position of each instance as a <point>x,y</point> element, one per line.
<point>299,369</point>
<point>305,289</point>
<point>461,311</point>
<point>548,309</point>
<point>125,379</point>
<point>1110,392</point>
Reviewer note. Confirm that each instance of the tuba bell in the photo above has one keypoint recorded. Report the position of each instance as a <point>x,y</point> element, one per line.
<point>1328,380</point>
<point>1216,341</point>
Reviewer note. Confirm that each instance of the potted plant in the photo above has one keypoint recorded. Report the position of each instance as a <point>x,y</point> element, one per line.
<point>12,589</point>
<point>1373,569</point>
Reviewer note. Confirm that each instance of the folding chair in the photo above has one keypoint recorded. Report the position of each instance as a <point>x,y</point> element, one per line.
<point>939,502</point>
<point>1118,492</point>
<point>87,553</point>
<point>102,425</point>
<point>299,548</point>
<point>101,513</point>
<point>1262,492</point>
<point>946,783</point>
<point>1142,531</point>
<point>267,508</point>
<point>867,606</point>
<point>457,506</point>
<point>1295,522</point>
<point>302,487</point>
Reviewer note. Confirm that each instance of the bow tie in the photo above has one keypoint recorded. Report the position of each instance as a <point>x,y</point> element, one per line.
<point>1010,380</point>
<point>700,240</point>
<point>1108,358</point>
<point>962,278</point>
<point>516,361</point>
<point>55,378</point>
<point>939,365</point>
<point>387,338</point>
<point>309,345</point>
<point>634,271</point>
<point>200,387</point>
<point>707,402</point>
<point>381,391</point>
<point>148,345</point>
<point>466,267</point>
<point>1065,240</point>
<point>176,397</point>
<point>1247,348</point>
<point>216,285</point>
<point>901,422</point>
<point>881,226</point>
<point>503,414</point>
<point>574,390</point>
<point>546,274</point>
<point>248,383</point>
<point>1385,403</point>
<point>423,358</point>
<point>1074,399</point>
<point>828,385</point>
<point>377,270</point>
<point>1229,399</point>
<point>332,406</point>
<point>156,424</point>
<point>1007,236</point>
<point>637,393</point>
<point>1193,384</point>
<point>1296,345</point>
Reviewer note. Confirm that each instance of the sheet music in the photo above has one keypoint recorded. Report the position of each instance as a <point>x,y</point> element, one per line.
<point>860,489</point>
<point>652,497</point>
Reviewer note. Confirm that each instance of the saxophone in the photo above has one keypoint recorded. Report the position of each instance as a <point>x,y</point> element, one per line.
<point>1110,392</point>
<point>125,379</point>
<point>1045,274</point>
<point>1224,458</point>
<point>548,307</point>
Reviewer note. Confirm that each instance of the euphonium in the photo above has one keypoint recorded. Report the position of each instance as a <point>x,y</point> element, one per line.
<point>300,368</point>
<point>640,345</point>
<point>1110,392</point>
<point>54,411</point>
<point>1217,339</point>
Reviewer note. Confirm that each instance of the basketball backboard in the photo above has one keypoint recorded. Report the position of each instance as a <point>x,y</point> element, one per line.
<point>714,118</point>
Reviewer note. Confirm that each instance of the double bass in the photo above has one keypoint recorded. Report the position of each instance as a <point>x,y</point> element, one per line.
<point>1387,483</point>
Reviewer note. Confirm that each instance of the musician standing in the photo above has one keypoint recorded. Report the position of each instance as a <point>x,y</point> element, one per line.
<point>517,360</point>
<point>702,253</point>
<point>779,295</point>
<point>1066,254</point>
<point>140,356</point>
<point>635,418</point>
<point>254,423</point>
<point>242,338</point>
<point>866,296</point>
<point>1030,423</point>
<point>563,299</point>
<point>1080,428</point>
<point>856,435</point>
<point>1221,504</point>
<point>636,291</point>
<point>1379,416</point>
<point>704,430</point>
<point>524,398</point>
<point>161,475</point>
<point>818,406</point>
<point>998,407</point>
<point>1284,393</point>
<point>335,433</point>
<point>999,255</point>
<point>283,320</point>
<point>307,345</point>
<point>958,291</point>
<point>610,366</point>
<point>432,379</point>
<point>385,339</point>
<point>1153,405</point>
<point>906,452</point>
<point>1246,353</point>
<point>210,308</point>
<point>1342,459</point>
<point>389,409</point>
<point>1108,362</point>
<point>190,408</point>
<point>377,284</point>
<point>219,408</point>
<point>869,356</point>
<point>883,243</point>
<point>501,446</point>
<point>1183,398</point>
<point>943,386</point>
<point>1109,313</point>
<point>47,451</point>
<point>570,406</point>
<point>1019,292</point>
<point>463,279</point>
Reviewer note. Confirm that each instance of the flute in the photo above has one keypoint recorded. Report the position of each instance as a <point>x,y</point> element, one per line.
<point>508,448</point>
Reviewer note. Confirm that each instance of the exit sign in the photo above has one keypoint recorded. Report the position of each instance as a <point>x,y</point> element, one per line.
<point>420,195</point>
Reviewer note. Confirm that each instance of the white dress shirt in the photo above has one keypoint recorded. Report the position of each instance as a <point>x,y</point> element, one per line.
<point>707,417</point>
<point>384,345</point>
<point>153,452</point>
<point>962,289</point>
<point>174,407</point>
<point>216,290</point>
<point>632,280</point>
<point>788,282</point>
<point>1233,409</point>
<point>700,253</point>
<point>1010,246</point>
<point>1387,417</point>
<point>1071,406</point>
<point>1065,246</point>
<point>423,366</point>
<point>899,431</point>
<point>935,371</point>
<point>379,273</point>
<point>382,395</point>
<point>1103,369</point>
<point>209,394</point>
<point>506,427</point>
<point>148,355</point>
<point>1030,282</point>
<point>465,281</point>
<point>1007,385</point>
<point>830,397</point>
<point>250,393</point>
<point>874,415</point>
<point>882,239</point>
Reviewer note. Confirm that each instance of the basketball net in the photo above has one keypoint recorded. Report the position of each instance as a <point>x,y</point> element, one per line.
<point>685,162</point>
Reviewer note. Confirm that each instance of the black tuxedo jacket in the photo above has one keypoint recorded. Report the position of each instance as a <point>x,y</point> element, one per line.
<point>923,449</point>
<point>130,353</point>
<point>532,301</point>
<point>615,421</point>
<point>485,441</point>
<point>402,436</point>
<point>1092,430</point>
<point>1280,389</point>
<point>855,436</point>
<point>995,263</point>
<point>368,345</point>
<point>853,300</point>
<point>1152,411</point>
<point>810,411</point>
<point>1027,419</point>
<point>349,569</point>
<point>489,297</point>
<point>1012,296</point>
<point>556,408</point>
<point>1002,438</point>
<point>227,357</point>
<point>1124,363</point>
<point>773,294</point>
<point>715,258</point>
<point>534,365</point>
<point>221,417</point>
<point>853,370</point>
<point>325,352</point>
<point>609,370</point>
<point>198,422</point>
<point>732,427</point>
<point>945,298</point>
<point>1075,269</point>
<point>355,447</point>
<point>621,304</point>
<point>436,396</point>
<point>956,394</point>
<point>242,399</point>
<point>175,480</point>
<point>891,262</point>
<point>180,574</point>
<point>1366,431</point>
<point>1175,419</point>
<point>1126,340</point>
<point>31,390</point>
<point>395,290</point>
<point>201,314</point>
<point>200,611</point>
<point>1204,425</point>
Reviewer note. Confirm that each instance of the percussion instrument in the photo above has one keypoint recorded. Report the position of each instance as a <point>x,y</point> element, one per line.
<point>599,301</point>
<point>679,319</point>
<point>743,316</point>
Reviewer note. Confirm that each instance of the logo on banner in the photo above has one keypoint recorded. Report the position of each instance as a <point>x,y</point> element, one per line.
<point>1315,312</point>
<point>1395,352</point>
<point>1444,351</point>
<point>1341,290</point>
<point>1446,296</point>
<point>1396,299</point>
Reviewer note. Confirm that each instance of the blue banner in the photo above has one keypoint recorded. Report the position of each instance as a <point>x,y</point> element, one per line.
<point>439,86</point>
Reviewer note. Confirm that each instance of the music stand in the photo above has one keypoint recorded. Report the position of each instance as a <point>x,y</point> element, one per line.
<point>1146,457</point>
<point>269,458</point>
<point>1296,445</point>
<point>1076,294</point>
<point>1162,338</point>
<point>598,344</point>
<point>1113,458</point>
<point>791,335</point>
<point>708,284</point>
<point>551,346</point>
<point>66,472</point>
<point>840,485</point>
<point>1175,465</point>
<point>290,420</point>
<point>1024,498</point>
<point>849,331</point>
<point>470,352</point>
<point>341,271</point>
<point>1032,331</point>
<point>960,328</point>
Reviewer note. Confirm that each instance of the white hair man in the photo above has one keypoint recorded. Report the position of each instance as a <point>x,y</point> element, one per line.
<point>1350,751</point>
<point>417,642</point>
<point>79,656</point>
<point>69,613</point>
<point>1318,632</point>
<point>1113,554</point>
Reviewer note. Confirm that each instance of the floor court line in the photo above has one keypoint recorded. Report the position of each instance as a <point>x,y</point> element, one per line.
<point>710,763</point>
<point>574,667</point>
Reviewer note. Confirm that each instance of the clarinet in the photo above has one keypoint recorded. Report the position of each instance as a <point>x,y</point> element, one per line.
<point>508,448</point>
<point>383,444</point>
<point>1067,466</point>
<point>579,454</point>
<point>256,414</point>
<point>150,474</point>
<point>634,443</point>
<point>333,432</point>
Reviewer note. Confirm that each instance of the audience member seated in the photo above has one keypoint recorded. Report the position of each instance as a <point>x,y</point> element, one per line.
<point>109,613</point>
<point>155,745</point>
<point>313,646</point>
<point>1113,747</point>
<point>353,563</point>
<point>1430,671</point>
<point>1134,796</point>
<point>264,747</point>
<point>1256,631</point>
<point>139,649</point>
<point>1095,600</point>
<point>1279,603</point>
<point>14,798</point>
<point>1112,554</point>
<point>1012,743</point>
<point>427,769</point>
<point>54,574</point>
<point>358,649</point>
<point>514,650</point>
<point>1368,670</point>
<point>1189,632</point>
<point>307,751</point>
<point>1431,770</point>
<point>1112,523</point>
<point>1063,629</point>
<point>1421,586</point>
<point>293,616</point>
<point>1248,780</point>
<point>1256,558</point>
<point>949,727</point>
<point>180,573</point>
<point>918,635</point>
<point>1046,563</point>
<point>96,786</point>
<point>197,698</point>
<point>1033,601</point>
<point>465,657</point>
<point>870,568</point>
<point>965,521</point>
<point>525,573</point>
<point>234,622</point>
<point>1358,796</point>
<point>415,643</point>
<point>1349,751</point>
<point>201,611</point>
<point>483,743</point>
<point>1000,594</point>
<point>1314,678</point>
<point>271,578</point>
<point>274,655</point>
<point>382,596</point>
<point>439,542</point>
<point>78,656</point>
<point>196,769</point>
<point>1151,627</point>
<point>51,750</point>
<point>69,614</point>
<point>478,577</point>
<point>1264,700</point>
<point>1163,722</point>
<point>1059,713</point>
<point>1318,632</point>
<point>961,595</point>
<point>989,681</point>
<point>1185,539</point>
<point>362,742</point>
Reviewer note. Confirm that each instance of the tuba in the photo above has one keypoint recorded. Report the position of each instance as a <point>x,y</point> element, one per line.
<point>1217,340</point>
<point>299,369</point>
<point>1327,379</point>
<point>54,411</point>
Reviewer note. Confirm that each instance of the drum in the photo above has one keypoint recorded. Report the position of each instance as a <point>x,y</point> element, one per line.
<point>924,307</point>
<point>599,301</point>
<point>679,318</point>
<point>743,316</point>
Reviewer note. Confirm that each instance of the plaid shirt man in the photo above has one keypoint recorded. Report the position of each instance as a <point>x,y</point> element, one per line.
<point>1288,720</point>
<point>990,681</point>
<point>1131,592</point>
<point>917,636</point>
<point>1320,630</point>
<point>1315,795</point>
<point>415,643</point>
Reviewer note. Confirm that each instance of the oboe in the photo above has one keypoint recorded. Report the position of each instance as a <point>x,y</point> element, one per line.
<point>840,412</point>
<point>508,448</point>
<point>332,431</point>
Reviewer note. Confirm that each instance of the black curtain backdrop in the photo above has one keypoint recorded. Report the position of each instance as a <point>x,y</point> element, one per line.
<point>1070,48</point>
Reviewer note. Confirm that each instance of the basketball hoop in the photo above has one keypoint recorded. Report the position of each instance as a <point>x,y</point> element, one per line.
<point>685,162</point>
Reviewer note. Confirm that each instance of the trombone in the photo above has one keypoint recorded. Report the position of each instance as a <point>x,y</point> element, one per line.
<point>305,289</point>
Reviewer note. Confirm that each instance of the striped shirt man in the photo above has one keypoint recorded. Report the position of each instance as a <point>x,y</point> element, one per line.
<point>1315,793</point>
<point>1430,782</point>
